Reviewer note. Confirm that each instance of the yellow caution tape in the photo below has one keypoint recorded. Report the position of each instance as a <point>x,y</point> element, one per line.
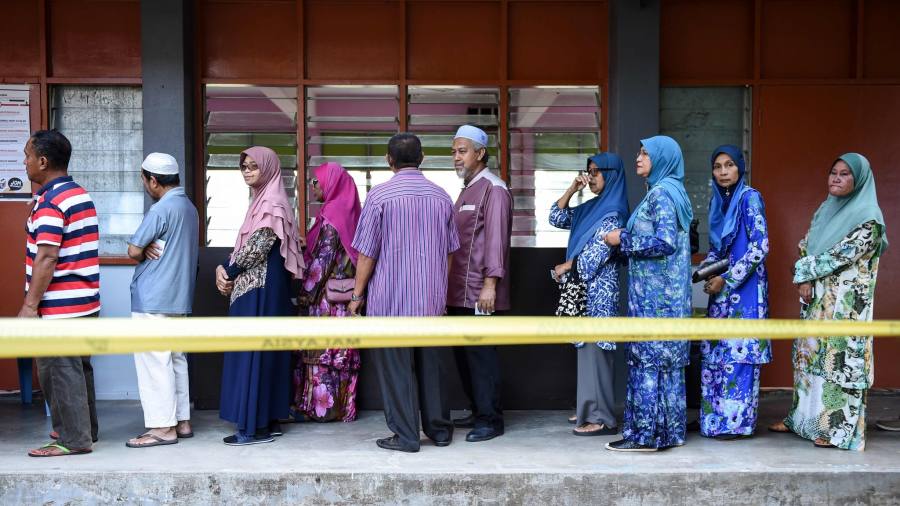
<point>93,336</point>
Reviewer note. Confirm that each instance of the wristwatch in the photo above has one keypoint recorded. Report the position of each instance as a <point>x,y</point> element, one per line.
<point>356,298</point>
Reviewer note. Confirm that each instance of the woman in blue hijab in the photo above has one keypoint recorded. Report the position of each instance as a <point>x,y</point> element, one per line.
<point>729,380</point>
<point>595,263</point>
<point>657,243</point>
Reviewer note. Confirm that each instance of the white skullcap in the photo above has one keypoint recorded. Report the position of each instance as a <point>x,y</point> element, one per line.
<point>160,163</point>
<point>474,134</point>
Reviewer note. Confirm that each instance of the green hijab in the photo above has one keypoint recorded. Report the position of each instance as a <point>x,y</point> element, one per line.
<point>838,216</point>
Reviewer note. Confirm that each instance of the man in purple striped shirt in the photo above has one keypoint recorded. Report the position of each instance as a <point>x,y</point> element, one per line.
<point>405,237</point>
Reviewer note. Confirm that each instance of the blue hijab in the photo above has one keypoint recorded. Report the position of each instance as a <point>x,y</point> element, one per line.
<point>613,199</point>
<point>667,172</point>
<point>725,204</point>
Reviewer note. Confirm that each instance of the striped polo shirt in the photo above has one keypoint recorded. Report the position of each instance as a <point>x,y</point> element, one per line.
<point>64,216</point>
<point>407,227</point>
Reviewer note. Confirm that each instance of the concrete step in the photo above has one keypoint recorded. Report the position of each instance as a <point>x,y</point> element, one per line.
<point>536,462</point>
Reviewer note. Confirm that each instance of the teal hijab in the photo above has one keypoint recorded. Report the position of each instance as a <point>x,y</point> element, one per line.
<point>838,216</point>
<point>667,172</point>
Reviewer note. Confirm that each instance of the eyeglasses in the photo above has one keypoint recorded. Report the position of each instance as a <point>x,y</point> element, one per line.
<point>594,172</point>
<point>249,167</point>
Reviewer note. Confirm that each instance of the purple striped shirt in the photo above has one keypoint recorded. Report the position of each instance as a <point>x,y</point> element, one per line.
<point>407,227</point>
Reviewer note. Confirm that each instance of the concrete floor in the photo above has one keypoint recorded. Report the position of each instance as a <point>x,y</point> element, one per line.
<point>538,461</point>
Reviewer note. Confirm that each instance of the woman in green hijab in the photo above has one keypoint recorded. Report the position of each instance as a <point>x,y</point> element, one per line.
<point>835,276</point>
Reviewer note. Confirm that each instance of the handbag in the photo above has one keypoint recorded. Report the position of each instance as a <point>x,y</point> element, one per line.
<point>572,296</point>
<point>338,291</point>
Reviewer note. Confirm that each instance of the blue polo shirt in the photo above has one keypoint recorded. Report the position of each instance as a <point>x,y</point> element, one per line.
<point>167,285</point>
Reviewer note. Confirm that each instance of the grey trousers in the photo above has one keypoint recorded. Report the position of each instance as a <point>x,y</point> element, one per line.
<point>595,398</point>
<point>411,381</point>
<point>68,387</point>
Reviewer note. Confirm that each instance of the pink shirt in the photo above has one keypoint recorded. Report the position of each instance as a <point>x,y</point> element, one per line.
<point>483,216</point>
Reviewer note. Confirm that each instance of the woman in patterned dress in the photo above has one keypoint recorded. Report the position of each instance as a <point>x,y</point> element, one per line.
<point>258,278</point>
<point>835,277</point>
<point>737,231</point>
<point>657,245</point>
<point>596,264</point>
<point>325,380</point>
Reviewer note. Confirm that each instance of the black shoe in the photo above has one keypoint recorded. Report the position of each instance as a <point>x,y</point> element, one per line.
<point>242,440</point>
<point>624,445</point>
<point>393,443</point>
<point>693,426</point>
<point>443,442</point>
<point>483,434</point>
<point>275,429</point>
<point>729,437</point>
<point>466,422</point>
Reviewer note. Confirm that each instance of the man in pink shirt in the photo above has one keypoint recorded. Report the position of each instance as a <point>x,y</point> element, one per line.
<point>479,275</point>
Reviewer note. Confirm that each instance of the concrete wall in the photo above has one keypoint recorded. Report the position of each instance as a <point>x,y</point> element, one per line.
<point>114,375</point>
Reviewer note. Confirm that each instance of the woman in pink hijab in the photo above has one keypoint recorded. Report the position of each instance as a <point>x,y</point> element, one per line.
<point>325,380</point>
<point>258,277</point>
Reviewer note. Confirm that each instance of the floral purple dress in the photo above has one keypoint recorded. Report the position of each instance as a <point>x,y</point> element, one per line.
<point>325,380</point>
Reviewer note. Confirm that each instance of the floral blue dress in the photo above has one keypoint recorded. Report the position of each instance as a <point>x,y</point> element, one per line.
<point>597,266</point>
<point>729,380</point>
<point>659,262</point>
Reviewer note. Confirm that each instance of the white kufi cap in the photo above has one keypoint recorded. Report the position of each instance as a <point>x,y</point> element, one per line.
<point>474,134</point>
<point>160,163</point>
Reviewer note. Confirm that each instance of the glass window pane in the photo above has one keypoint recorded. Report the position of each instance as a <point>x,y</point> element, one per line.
<point>105,126</point>
<point>701,119</point>
<point>237,117</point>
<point>435,112</point>
<point>552,131</point>
<point>351,125</point>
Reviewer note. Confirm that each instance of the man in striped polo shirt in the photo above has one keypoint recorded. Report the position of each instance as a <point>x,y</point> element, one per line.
<point>62,280</point>
<point>405,237</point>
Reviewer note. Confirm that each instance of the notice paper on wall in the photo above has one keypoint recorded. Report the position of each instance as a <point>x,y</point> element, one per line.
<point>15,129</point>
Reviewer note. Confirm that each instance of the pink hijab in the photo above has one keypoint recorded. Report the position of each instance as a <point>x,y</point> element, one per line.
<point>341,208</point>
<point>270,208</point>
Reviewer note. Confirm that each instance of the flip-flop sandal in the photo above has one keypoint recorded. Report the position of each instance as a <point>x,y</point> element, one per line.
<point>57,450</point>
<point>157,441</point>
<point>772,428</point>
<point>573,419</point>
<point>602,431</point>
<point>184,435</point>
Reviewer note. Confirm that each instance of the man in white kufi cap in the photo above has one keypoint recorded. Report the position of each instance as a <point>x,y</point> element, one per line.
<point>479,275</point>
<point>165,246</point>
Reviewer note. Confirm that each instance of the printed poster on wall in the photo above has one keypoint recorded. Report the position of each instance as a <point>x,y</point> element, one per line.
<point>15,129</point>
